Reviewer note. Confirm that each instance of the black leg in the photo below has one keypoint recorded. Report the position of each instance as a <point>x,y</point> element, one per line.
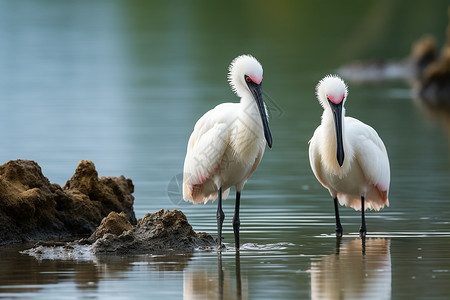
<point>238,276</point>
<point>220,217</point>
<point>363,245</point>
<point>220,275</point>
<point>236,220</point>
<point>339,230</point>
<point>363,229</point>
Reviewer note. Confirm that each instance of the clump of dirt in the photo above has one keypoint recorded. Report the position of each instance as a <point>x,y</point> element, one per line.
<point>158,232</point>
<point>32,208</point>
<point>114,224</point>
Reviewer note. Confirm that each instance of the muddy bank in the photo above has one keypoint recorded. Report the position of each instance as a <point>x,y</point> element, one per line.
<point>159,232</point>
<point>32,208</point>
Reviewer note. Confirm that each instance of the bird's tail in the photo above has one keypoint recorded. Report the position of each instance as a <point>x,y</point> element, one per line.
<point>202,193</point>
<point>374,200</point>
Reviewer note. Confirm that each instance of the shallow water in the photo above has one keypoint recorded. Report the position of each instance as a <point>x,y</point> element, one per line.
<point>122,85</point>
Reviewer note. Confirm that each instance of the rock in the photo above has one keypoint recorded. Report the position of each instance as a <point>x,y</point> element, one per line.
<point>32,208</point>
<point>93,198</point>
<point>424,51</point>
<point>114,224</point>
<point>162,231</point>
<point>434,88</point>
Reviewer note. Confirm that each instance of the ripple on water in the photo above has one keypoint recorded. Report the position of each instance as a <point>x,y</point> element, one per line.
<point>266,247</point>
<point>400,234</point>
<point>75,252</point>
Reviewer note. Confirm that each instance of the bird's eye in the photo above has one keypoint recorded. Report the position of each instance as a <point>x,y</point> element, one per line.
<point>248,79</point>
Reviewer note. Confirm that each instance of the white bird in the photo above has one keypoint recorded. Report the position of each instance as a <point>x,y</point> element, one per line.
<point>360,179</point>
<point>228,143</point>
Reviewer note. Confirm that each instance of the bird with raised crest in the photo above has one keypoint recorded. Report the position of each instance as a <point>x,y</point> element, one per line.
<point>228,143</point>
<point>347,156</point>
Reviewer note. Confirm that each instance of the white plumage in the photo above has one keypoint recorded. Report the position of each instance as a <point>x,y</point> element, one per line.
<point>347,156</point>
<point>228,141</point>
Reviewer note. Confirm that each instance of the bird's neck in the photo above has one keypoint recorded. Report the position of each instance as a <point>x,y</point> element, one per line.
<point>329,153</point>
<point>249,114</point>
<point>248,140</point>
<point>328,122</point>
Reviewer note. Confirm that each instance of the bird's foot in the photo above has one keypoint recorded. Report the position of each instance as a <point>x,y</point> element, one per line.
<point>339,232</point>
<point>237,246</point>
<point>220,245</point>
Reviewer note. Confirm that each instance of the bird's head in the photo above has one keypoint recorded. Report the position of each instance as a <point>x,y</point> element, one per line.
<point>332,92</point>
<point>245,77</point>
<point>331,89</point>
<point>243,70</point>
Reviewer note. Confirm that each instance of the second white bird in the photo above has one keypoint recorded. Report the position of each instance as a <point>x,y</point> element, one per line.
<point>347,156</point>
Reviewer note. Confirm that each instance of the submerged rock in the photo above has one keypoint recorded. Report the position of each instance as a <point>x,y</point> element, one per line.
<point>161,231</point>
<point>32,208</point>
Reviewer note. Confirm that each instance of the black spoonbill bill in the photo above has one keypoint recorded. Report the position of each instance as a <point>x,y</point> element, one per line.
<point>228,143</point>
<point>347,156</point>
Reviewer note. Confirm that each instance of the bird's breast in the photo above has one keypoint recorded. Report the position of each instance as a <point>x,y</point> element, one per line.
<point>235,169</point>
<point>351,182</point>
<point>246,144</point>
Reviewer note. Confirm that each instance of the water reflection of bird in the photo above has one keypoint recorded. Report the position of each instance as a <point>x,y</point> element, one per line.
<point>228,143</point>
<point>204,282</point>
<point>360,178</point>
<point>353,272</point>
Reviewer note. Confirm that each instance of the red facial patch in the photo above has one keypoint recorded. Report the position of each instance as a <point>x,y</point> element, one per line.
<point>255,79</point>
<point>335,100</point>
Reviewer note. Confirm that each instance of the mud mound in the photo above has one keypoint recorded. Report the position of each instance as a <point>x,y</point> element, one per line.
<point>32,208</point>
<point>114,224</point>
<point>161,231</point>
